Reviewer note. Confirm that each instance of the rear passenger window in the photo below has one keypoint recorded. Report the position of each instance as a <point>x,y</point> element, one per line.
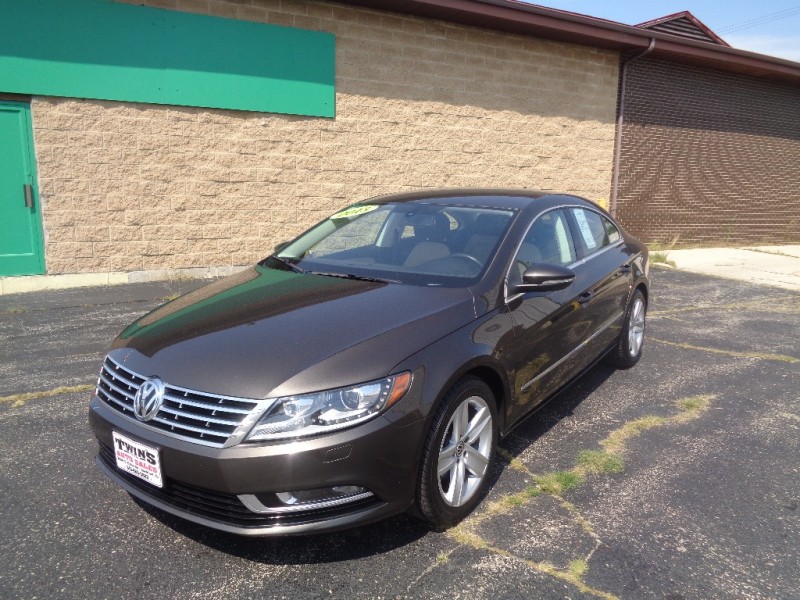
<point>611,231</point>
<point>594,230</point>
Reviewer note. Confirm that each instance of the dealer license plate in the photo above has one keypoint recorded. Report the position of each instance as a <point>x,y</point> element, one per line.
<point>137,459</point>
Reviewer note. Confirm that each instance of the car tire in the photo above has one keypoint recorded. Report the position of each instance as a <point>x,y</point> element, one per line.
<point>628,349</point>
<point>458,454</point>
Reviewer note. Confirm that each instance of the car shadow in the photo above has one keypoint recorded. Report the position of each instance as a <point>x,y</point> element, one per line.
<point>559,407</point>
<point>368,540</point>
<point>394,532</point>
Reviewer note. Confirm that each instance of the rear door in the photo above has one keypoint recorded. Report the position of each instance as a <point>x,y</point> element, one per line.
<point>20,221</point>
<point>604,270</point>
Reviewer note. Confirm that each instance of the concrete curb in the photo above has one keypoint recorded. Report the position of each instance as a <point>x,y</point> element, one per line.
<point>36,283</point>
<point>777,266</point>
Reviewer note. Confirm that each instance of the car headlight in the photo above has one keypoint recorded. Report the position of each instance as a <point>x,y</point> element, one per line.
<point>321,412</point>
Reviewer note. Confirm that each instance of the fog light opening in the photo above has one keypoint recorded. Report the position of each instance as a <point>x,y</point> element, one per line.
<point>282,502</point>
<point>319,495</point>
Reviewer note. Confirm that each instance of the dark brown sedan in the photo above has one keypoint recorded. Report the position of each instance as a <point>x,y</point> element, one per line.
<point>369,366</point>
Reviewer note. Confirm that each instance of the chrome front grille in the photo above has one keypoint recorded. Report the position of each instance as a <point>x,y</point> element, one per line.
<point>204,418</point>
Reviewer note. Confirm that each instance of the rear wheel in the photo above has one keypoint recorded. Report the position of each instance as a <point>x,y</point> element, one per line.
<point>459,450</point>
<point>628,350</point>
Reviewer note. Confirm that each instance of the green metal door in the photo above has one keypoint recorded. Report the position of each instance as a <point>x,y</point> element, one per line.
<point>20,221</point>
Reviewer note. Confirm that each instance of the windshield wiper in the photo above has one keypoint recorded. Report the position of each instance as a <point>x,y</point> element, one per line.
<point>354,276</point>
<point>293,267</point>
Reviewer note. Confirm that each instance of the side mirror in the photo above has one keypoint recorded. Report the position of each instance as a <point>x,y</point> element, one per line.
<point>280,247</point>
<point>545,277</point>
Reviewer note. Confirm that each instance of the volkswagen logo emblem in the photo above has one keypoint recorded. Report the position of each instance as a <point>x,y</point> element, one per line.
<point>148,399</point>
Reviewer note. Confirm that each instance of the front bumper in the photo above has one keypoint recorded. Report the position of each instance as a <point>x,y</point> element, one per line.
<point>202,483</point>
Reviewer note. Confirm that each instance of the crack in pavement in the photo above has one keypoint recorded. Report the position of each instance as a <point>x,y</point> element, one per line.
<point>21,399</point>
<point>555,484</point>
<point>789,306</point>
<point>734,353</point>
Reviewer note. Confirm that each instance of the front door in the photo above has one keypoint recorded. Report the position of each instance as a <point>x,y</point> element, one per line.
<point>20,220</point>
<point>548,326</point>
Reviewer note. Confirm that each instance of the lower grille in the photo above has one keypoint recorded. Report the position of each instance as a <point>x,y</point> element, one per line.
<point>226,508</point>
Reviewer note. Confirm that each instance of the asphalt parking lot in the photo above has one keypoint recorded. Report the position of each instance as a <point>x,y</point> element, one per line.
<point>678,479</point>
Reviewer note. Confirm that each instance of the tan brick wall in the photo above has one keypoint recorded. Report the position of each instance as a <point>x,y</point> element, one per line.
<point>419,104</point>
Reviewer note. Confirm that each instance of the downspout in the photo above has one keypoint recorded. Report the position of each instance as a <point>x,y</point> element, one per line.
<point>620,118</point>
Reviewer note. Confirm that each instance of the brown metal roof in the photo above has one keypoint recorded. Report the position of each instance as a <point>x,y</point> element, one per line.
<point>527,19</point>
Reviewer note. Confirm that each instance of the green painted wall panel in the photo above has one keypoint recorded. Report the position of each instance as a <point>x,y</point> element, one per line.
<point>106,50</point>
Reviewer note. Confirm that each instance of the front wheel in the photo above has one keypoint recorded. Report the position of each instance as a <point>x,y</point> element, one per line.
<point>458,452</point>
<point>628,350</point>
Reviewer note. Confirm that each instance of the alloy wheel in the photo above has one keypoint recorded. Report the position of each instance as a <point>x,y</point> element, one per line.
<point>636,327</point>
<point>465,452</point>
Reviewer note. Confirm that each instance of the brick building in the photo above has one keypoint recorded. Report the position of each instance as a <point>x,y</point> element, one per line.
<point>709,156</point>
<point>130,164</point>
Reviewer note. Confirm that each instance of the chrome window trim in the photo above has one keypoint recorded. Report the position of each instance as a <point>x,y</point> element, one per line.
<point>519,246</point>
<point>602,249</point>
<point>573,264</point>
<point>597,253</point>
<point>574,351</point>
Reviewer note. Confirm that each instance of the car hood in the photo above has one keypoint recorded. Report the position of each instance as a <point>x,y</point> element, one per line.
<point>266,332</point>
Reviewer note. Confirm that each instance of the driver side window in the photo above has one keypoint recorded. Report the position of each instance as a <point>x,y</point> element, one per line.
<point>547,241</point>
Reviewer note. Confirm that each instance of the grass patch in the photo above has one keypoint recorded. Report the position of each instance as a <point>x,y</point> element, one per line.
<point>695,403</point>
<point>467,538</point>
<point>512,461</point>
<point>506,503</point>
<point>663,246</point>
<point>532,491</point>
<point>617,439</point>
<point>443,557</point>
<point>579,518</point>
<point>16,310</point>
<point>659,252</point>
<point>170,298</point>
<point>578,568</point>
<point>558,482</point>
<point>515,500</point>
<point>599,461</point>
<point>570,575</point>
<point>661,258</point>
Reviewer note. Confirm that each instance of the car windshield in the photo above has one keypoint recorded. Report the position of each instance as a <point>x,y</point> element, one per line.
<point>416,243</point>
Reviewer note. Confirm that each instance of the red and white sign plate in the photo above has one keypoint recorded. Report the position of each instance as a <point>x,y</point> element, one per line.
<point>137,459</point>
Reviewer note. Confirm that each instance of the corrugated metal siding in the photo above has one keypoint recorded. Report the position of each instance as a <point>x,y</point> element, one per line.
<point>683,27</point>
<point>708,157</point>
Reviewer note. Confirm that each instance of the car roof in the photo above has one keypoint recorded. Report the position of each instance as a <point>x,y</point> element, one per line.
<point>487,198</point>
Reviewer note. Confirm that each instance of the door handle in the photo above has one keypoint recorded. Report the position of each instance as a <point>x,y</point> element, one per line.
<point>27,191</point>
<point>585,297</point>
<point>625,269</point>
